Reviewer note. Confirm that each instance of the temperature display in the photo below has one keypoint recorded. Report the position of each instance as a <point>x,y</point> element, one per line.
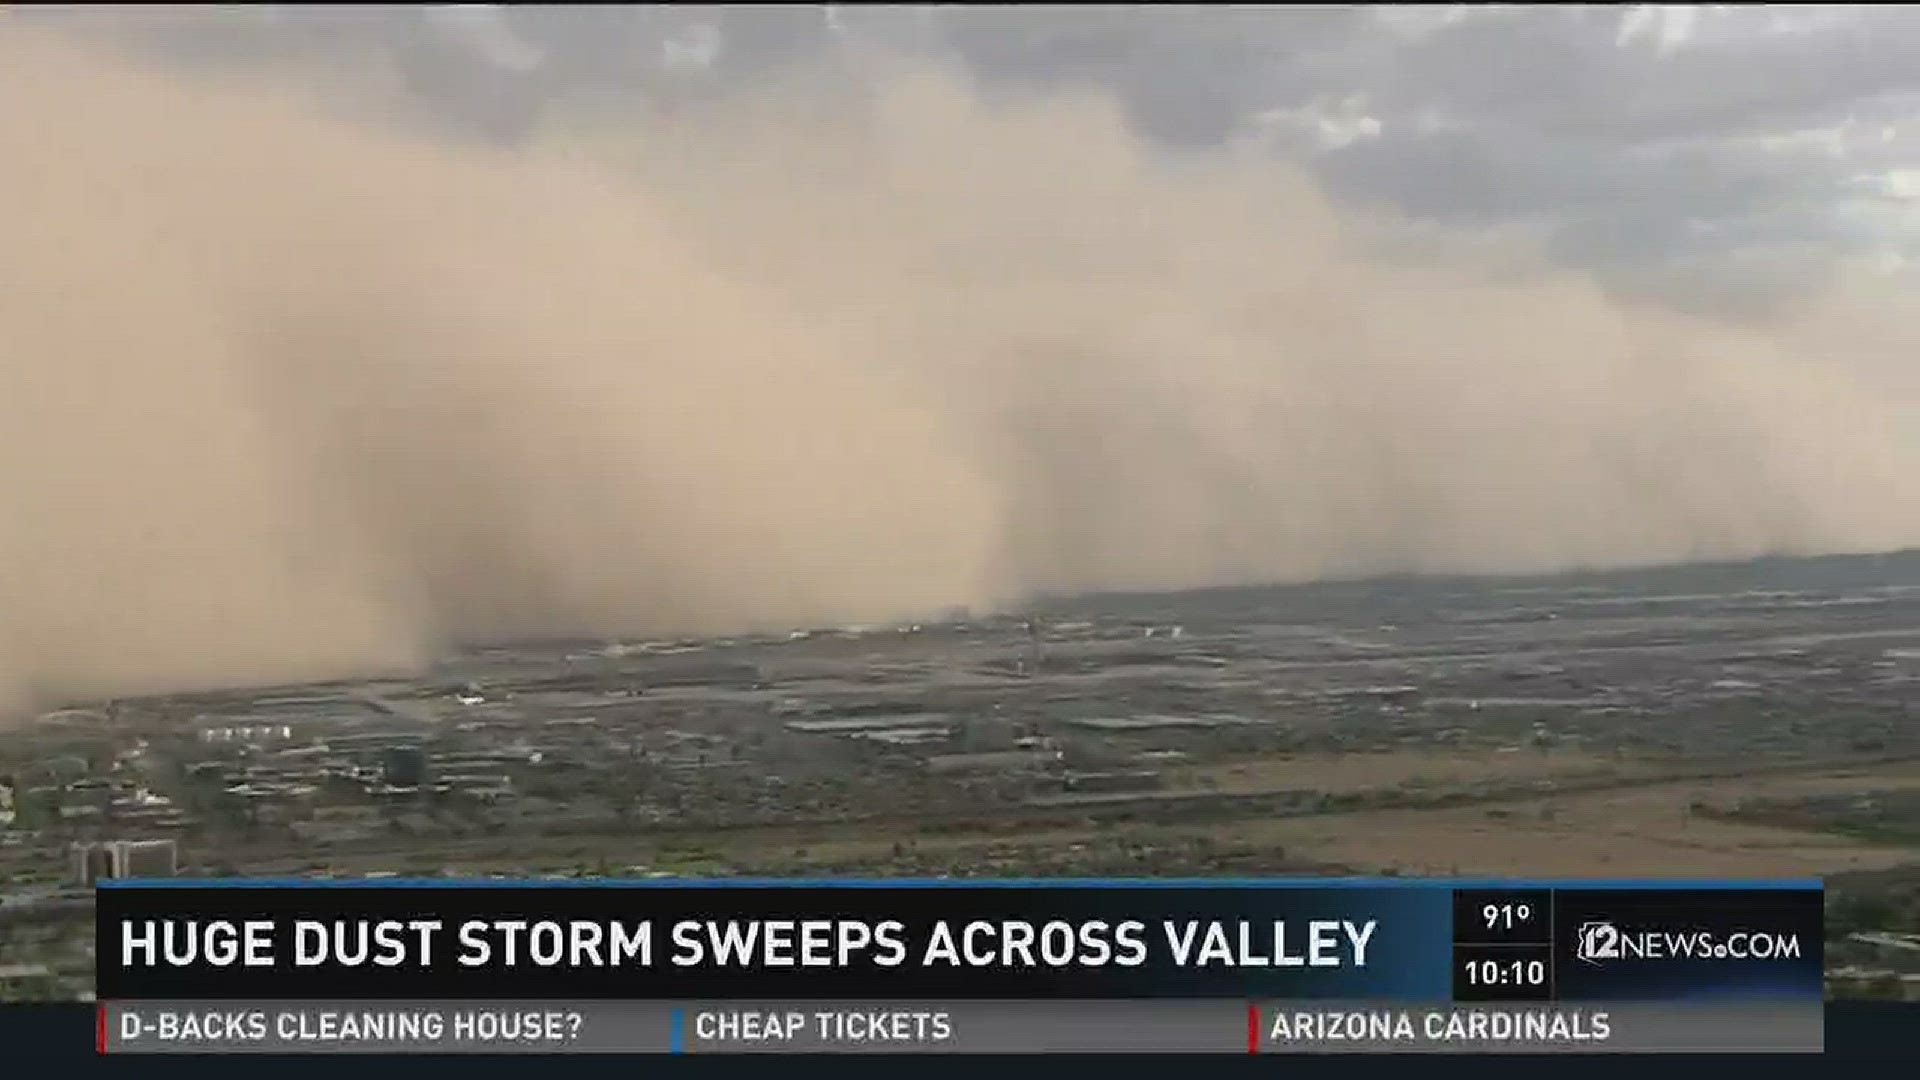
<point>1508,916</point>
<point>1502,917</point>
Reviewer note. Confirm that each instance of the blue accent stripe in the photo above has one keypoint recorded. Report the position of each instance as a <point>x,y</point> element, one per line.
<point>949,883</point>
<point>677,1038</point>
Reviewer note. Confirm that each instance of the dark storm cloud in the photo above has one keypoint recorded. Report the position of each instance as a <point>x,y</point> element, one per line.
<point>1188,76</point>
<point>1751,77</point>
<point>1625,148</point>
<point>1630,138</point>
<point>1695,158</point>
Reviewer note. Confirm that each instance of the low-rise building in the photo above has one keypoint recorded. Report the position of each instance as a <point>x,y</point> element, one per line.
<point>94,860</point>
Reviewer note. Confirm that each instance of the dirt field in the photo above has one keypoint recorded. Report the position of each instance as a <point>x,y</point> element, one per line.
<point>1632,832</point>
<point>1645,830</point>
<point>1349,773</point>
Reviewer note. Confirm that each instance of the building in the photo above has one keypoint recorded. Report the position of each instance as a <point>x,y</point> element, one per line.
<point>27,982</point>
<point>1112,782</point>
<point>145,858</point>
<point>404,766</point>
<point>90,864</point>
<point>124,859</point>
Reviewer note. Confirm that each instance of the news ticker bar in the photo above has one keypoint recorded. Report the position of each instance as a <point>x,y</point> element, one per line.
<point>1316,939</point>
<point>954,1027</point>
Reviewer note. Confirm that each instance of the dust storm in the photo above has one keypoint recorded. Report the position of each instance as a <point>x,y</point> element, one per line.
<point>288,394</point>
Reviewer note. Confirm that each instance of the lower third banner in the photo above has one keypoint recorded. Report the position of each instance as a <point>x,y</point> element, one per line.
<point>959,967</point>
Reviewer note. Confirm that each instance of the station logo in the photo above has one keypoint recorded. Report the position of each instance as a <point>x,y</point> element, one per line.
<point>1597,942</point>
<point>1601,942</point>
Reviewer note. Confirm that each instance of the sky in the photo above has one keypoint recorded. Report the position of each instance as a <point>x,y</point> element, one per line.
<point>1719,157</point>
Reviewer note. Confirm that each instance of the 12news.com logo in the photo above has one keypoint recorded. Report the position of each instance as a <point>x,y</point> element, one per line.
<point>1601,942</point>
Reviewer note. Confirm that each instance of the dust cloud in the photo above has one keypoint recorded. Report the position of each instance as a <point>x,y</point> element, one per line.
<point>288,395</point>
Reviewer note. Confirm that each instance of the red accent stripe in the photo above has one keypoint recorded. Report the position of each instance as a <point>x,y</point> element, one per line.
<point>1253,1028</point>
<point>100,1032</point>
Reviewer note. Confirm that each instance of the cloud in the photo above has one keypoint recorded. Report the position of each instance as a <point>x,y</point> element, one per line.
<point>1587,121</point>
